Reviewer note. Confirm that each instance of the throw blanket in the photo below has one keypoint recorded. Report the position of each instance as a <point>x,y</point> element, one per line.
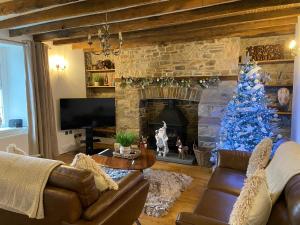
<point>284,165</point>
<point>22,183</point>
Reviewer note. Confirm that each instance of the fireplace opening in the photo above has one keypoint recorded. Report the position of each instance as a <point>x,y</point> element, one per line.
<point>181,119</point>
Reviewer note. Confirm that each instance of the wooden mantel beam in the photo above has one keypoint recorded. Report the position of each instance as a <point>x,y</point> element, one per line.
<point>175,34</point>
<point>21,6</point>
<point>116,16</point>
<point>72,10</point>
<point>175,11</point>
<point>168,20</point>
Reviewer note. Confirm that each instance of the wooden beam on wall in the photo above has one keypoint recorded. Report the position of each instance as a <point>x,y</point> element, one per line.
<point>160,21</point>
<point>176,10</point>
<point>72,10</point>
<point>177,32</point>
<point>115,16</point>
<point>261,32</point>
<point>21,6</point>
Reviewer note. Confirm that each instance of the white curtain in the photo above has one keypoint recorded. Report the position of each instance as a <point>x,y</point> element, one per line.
<point>41,120</point>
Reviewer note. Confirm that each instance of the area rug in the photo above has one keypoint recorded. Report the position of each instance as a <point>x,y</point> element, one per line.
<point>165,189</point>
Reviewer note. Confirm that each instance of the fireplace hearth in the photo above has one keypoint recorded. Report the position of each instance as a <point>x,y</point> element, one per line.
<point>178,123</point>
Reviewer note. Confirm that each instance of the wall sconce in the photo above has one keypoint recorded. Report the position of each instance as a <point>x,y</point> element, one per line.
<point>58,62</point>
<point>294,49</point>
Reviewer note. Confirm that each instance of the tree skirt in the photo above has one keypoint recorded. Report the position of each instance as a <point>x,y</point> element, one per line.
<point>165,188</point>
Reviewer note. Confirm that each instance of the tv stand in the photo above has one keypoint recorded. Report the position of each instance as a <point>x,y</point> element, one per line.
<point>89,141</point>
<point>93,144</point>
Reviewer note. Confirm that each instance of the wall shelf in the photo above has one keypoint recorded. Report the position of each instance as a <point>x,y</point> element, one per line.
<point>101,71</point>
<point>101,86</point>
<point>274,61</point>
<point>284,113</point>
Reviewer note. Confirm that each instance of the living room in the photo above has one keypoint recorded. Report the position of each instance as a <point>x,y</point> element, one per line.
<point>149,112</point>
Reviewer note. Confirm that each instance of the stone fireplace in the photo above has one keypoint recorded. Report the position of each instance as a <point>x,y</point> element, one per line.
<point>138,110</point>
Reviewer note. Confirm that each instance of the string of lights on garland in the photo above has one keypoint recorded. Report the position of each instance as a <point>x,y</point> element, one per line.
<point>168,82</point>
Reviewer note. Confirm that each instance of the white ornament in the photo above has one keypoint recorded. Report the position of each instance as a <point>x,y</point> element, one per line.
<point>162,140</point>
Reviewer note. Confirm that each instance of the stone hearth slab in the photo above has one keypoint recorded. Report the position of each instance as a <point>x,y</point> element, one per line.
<point>173,157</point>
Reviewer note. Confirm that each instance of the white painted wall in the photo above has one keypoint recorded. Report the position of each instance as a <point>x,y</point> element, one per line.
<point>296,91</point>
<point>67,84</point>
<point>21,140</point>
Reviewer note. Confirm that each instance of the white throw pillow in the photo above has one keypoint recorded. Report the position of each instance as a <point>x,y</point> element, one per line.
<point>254,205</point>
<point>102,180</point>
<point>260,156</point>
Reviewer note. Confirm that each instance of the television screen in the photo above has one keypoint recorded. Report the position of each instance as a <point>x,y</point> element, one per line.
<point>76,113</point>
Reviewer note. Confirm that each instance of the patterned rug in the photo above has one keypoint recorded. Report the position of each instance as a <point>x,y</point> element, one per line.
<point>165,188</point>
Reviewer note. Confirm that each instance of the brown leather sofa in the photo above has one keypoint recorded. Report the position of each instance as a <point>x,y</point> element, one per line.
<point>71,198</point>
<point>224,187</point>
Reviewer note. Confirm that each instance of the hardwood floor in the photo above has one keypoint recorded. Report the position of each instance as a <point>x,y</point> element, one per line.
<point>188,199</point>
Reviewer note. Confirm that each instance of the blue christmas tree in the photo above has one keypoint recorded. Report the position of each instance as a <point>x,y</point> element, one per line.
<point>247,119</point>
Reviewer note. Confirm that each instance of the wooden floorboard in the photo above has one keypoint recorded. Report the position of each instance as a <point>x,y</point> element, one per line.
<point>188,199</point>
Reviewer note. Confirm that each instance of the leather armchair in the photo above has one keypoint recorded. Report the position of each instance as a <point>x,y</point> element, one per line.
<point>71,198</point>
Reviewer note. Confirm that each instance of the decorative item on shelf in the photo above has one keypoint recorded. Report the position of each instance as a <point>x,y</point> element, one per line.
<point>105,64</point>
<point>283,98</point>
<point>98,80</point>
<point>104,37</point>
<point>182,150</point>
<point>106,83</point>
<point>161,137</point>
<point>126,139</point>
<point>265,52</point>
<point>168,81</point>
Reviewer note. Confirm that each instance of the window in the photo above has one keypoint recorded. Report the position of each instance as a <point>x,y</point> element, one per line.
<point>13,103</point>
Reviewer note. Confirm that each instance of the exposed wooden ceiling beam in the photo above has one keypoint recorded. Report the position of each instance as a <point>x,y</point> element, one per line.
<point>173,33</point>
<point>249,33</point>
<point>21,6</point>
<point>72,10</point>
<point>115,16</point>
<point>172,9</point>
<point>160,21</point>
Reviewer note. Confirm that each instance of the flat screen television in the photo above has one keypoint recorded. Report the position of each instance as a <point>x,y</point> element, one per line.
<point>78,113</point>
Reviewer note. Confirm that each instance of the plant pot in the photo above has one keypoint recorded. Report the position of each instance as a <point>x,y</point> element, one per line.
<point>96,83</point>
<point>124,150</point>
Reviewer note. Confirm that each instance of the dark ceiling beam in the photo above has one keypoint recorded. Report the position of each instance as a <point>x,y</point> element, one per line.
<point>162,21</point>
<point>171,11</point>
<point>162,39</point>
<point>173,33</point>
<point>72,10</point>
<point>21,6</point>
<point>116,16</point>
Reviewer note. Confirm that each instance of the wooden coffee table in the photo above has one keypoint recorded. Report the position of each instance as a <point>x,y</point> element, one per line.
<point>144,161</point>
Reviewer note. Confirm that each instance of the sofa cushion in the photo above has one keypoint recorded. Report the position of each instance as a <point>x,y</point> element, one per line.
<point>227,180</point>
<point>279,214</point>
<point>216,204</point>
<point>253,206</point>
<point>260,156</point>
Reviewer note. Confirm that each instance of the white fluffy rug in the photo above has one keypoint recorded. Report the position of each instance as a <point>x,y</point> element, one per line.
<point>165,188</point>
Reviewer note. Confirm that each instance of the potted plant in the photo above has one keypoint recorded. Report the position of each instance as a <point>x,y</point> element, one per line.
<point>125,139</point>
<point>97,80</point>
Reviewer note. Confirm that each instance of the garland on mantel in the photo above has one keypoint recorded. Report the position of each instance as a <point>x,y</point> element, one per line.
<point>168,82</point>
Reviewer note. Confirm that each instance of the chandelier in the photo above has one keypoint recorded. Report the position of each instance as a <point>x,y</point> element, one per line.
<point>104,37</point>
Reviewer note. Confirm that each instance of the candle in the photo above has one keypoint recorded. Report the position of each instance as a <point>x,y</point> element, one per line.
<point>99,33</point>
<point>89,38</point>
<point>120,36</point>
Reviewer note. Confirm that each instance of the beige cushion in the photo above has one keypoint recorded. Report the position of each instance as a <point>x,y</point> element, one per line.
<point>284,165</point>
<point>260,156</point>
<point>102,180</point>
<point>253,206</point>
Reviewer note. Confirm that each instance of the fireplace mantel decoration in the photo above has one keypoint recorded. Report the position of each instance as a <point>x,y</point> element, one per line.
<point>138,82</point>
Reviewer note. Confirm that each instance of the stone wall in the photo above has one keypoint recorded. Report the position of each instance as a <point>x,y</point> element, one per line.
<point>198,58</point>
